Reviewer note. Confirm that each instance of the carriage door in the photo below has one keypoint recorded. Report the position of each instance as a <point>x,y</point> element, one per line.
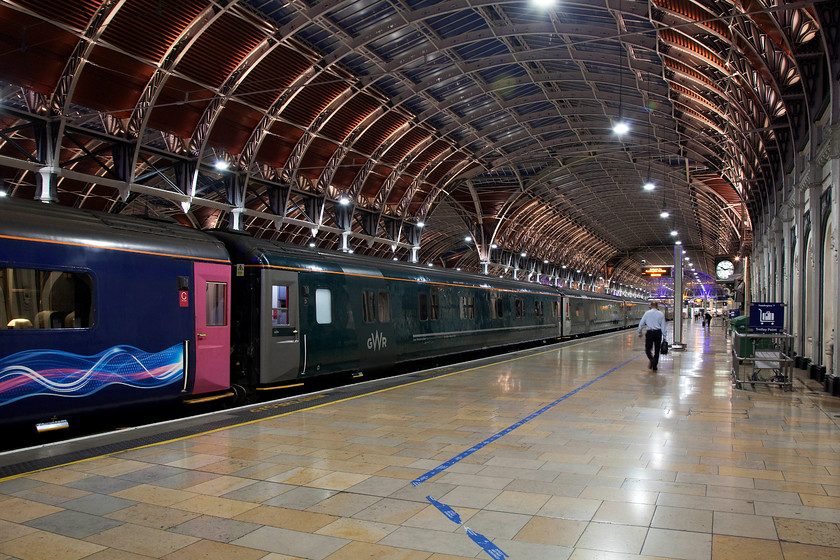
<point>212,327</point>
<point>279,336</point>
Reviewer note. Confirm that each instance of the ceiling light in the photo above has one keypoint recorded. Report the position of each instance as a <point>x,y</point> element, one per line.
<point>664,214</point>
<point>421,223</point>
<point>312,244</point>
<point>621,127</point>
<point>649,186</point>
<point>679,243</point>
<point>674,233</point>
<point>494,246</point>
<point>468,239</point>
<point>344,201</point>
<point>545,261</point>
<point>221,165</point>
<point>523,254</point>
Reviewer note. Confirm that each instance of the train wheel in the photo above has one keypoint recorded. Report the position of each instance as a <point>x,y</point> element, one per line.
<point>240,394</point>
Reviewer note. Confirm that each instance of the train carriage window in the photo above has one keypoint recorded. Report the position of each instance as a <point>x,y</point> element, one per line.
<point>520,308</point>
<point>500,308</point>
<point>279,306</point>
<point>216,306</point>
<point>368,306</point>
<point>323,306</point>
<point>434,311</point>
<point>538,308</point>
<point>467,307</point>
<point>384,307</point>
<point>555,308</point>
<point>423,307</point>
<point>45,299</point>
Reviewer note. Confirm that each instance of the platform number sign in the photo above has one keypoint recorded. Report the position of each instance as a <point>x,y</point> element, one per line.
<point>767,317</point>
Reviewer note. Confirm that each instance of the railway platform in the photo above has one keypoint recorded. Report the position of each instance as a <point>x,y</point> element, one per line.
<point>570,451</point>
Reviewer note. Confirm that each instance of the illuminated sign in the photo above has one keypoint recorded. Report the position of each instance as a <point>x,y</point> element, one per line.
<point>656,271</point>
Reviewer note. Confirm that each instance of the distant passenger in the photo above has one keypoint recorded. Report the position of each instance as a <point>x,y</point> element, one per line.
<point>654,320</point>
<point>707,319</point>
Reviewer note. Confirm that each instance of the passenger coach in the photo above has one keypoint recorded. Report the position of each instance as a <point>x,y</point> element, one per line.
<point>104,311</point>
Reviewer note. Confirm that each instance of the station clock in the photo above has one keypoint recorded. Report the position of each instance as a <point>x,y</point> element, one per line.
<point>724,269</point>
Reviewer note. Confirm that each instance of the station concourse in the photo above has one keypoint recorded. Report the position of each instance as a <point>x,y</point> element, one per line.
<point>598,458</point>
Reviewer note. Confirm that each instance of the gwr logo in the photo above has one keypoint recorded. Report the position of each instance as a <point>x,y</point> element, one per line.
<point>377,341</point>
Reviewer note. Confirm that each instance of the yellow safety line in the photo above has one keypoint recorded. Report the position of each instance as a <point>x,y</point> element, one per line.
<point>249,422</point>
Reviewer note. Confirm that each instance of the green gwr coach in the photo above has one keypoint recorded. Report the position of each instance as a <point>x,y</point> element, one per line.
<point>299,313</point>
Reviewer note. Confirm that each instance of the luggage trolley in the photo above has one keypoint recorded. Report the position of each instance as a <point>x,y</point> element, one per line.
<point>762,359</point>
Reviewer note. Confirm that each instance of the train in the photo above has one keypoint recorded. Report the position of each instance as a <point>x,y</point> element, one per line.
<point>105,311</point>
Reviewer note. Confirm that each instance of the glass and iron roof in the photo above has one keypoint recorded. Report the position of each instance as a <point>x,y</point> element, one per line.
<point>488,120</point>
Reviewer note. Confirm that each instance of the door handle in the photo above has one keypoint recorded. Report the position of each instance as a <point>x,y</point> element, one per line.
<point>201,335</point>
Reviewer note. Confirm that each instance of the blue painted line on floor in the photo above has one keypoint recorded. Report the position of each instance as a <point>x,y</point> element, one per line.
<point>494,551</point>
<point>463,455</point>
<point>446,510</point>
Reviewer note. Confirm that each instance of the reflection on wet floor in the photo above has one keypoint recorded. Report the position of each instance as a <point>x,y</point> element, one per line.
<point>667,464</point>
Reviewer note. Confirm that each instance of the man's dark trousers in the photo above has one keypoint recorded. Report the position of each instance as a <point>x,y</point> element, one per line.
<point>653,340</point>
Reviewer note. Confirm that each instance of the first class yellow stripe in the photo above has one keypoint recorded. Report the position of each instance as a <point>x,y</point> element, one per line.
<point>249,422</point>
<point>90,246</point>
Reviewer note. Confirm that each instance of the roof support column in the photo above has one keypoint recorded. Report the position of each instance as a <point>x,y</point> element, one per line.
<point>412,235</point>
<point>46,135</point>
<point>235,192</point>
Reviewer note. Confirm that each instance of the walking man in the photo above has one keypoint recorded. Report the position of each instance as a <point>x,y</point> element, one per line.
<point>654,320</point>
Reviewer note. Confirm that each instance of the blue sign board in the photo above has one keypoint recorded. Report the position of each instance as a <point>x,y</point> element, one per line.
<point>734,313</point>
<point>767,317</point>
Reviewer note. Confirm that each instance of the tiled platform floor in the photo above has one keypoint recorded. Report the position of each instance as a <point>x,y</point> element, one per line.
<point>675,464</point>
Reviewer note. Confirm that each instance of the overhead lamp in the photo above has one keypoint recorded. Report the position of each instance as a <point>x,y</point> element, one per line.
<point>577,270</point>
<point>221,165</point>
<point>312,244</point>
<point>679,242</point>
<point>564,267</point>
<point>431,264</point>
<point>545,261</point>
<point>621,127</point>
<point>523,255</point>
<point>421,223</point>
<point>468,239</point>
<point>344,201</point>
<point>674,233</point>
<point>494,246</point>
<point>649,186</point>
<point>664,214</point>
<point>687,259</point>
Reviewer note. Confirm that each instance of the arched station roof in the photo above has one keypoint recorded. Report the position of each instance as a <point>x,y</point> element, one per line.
<point>491,120</point>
